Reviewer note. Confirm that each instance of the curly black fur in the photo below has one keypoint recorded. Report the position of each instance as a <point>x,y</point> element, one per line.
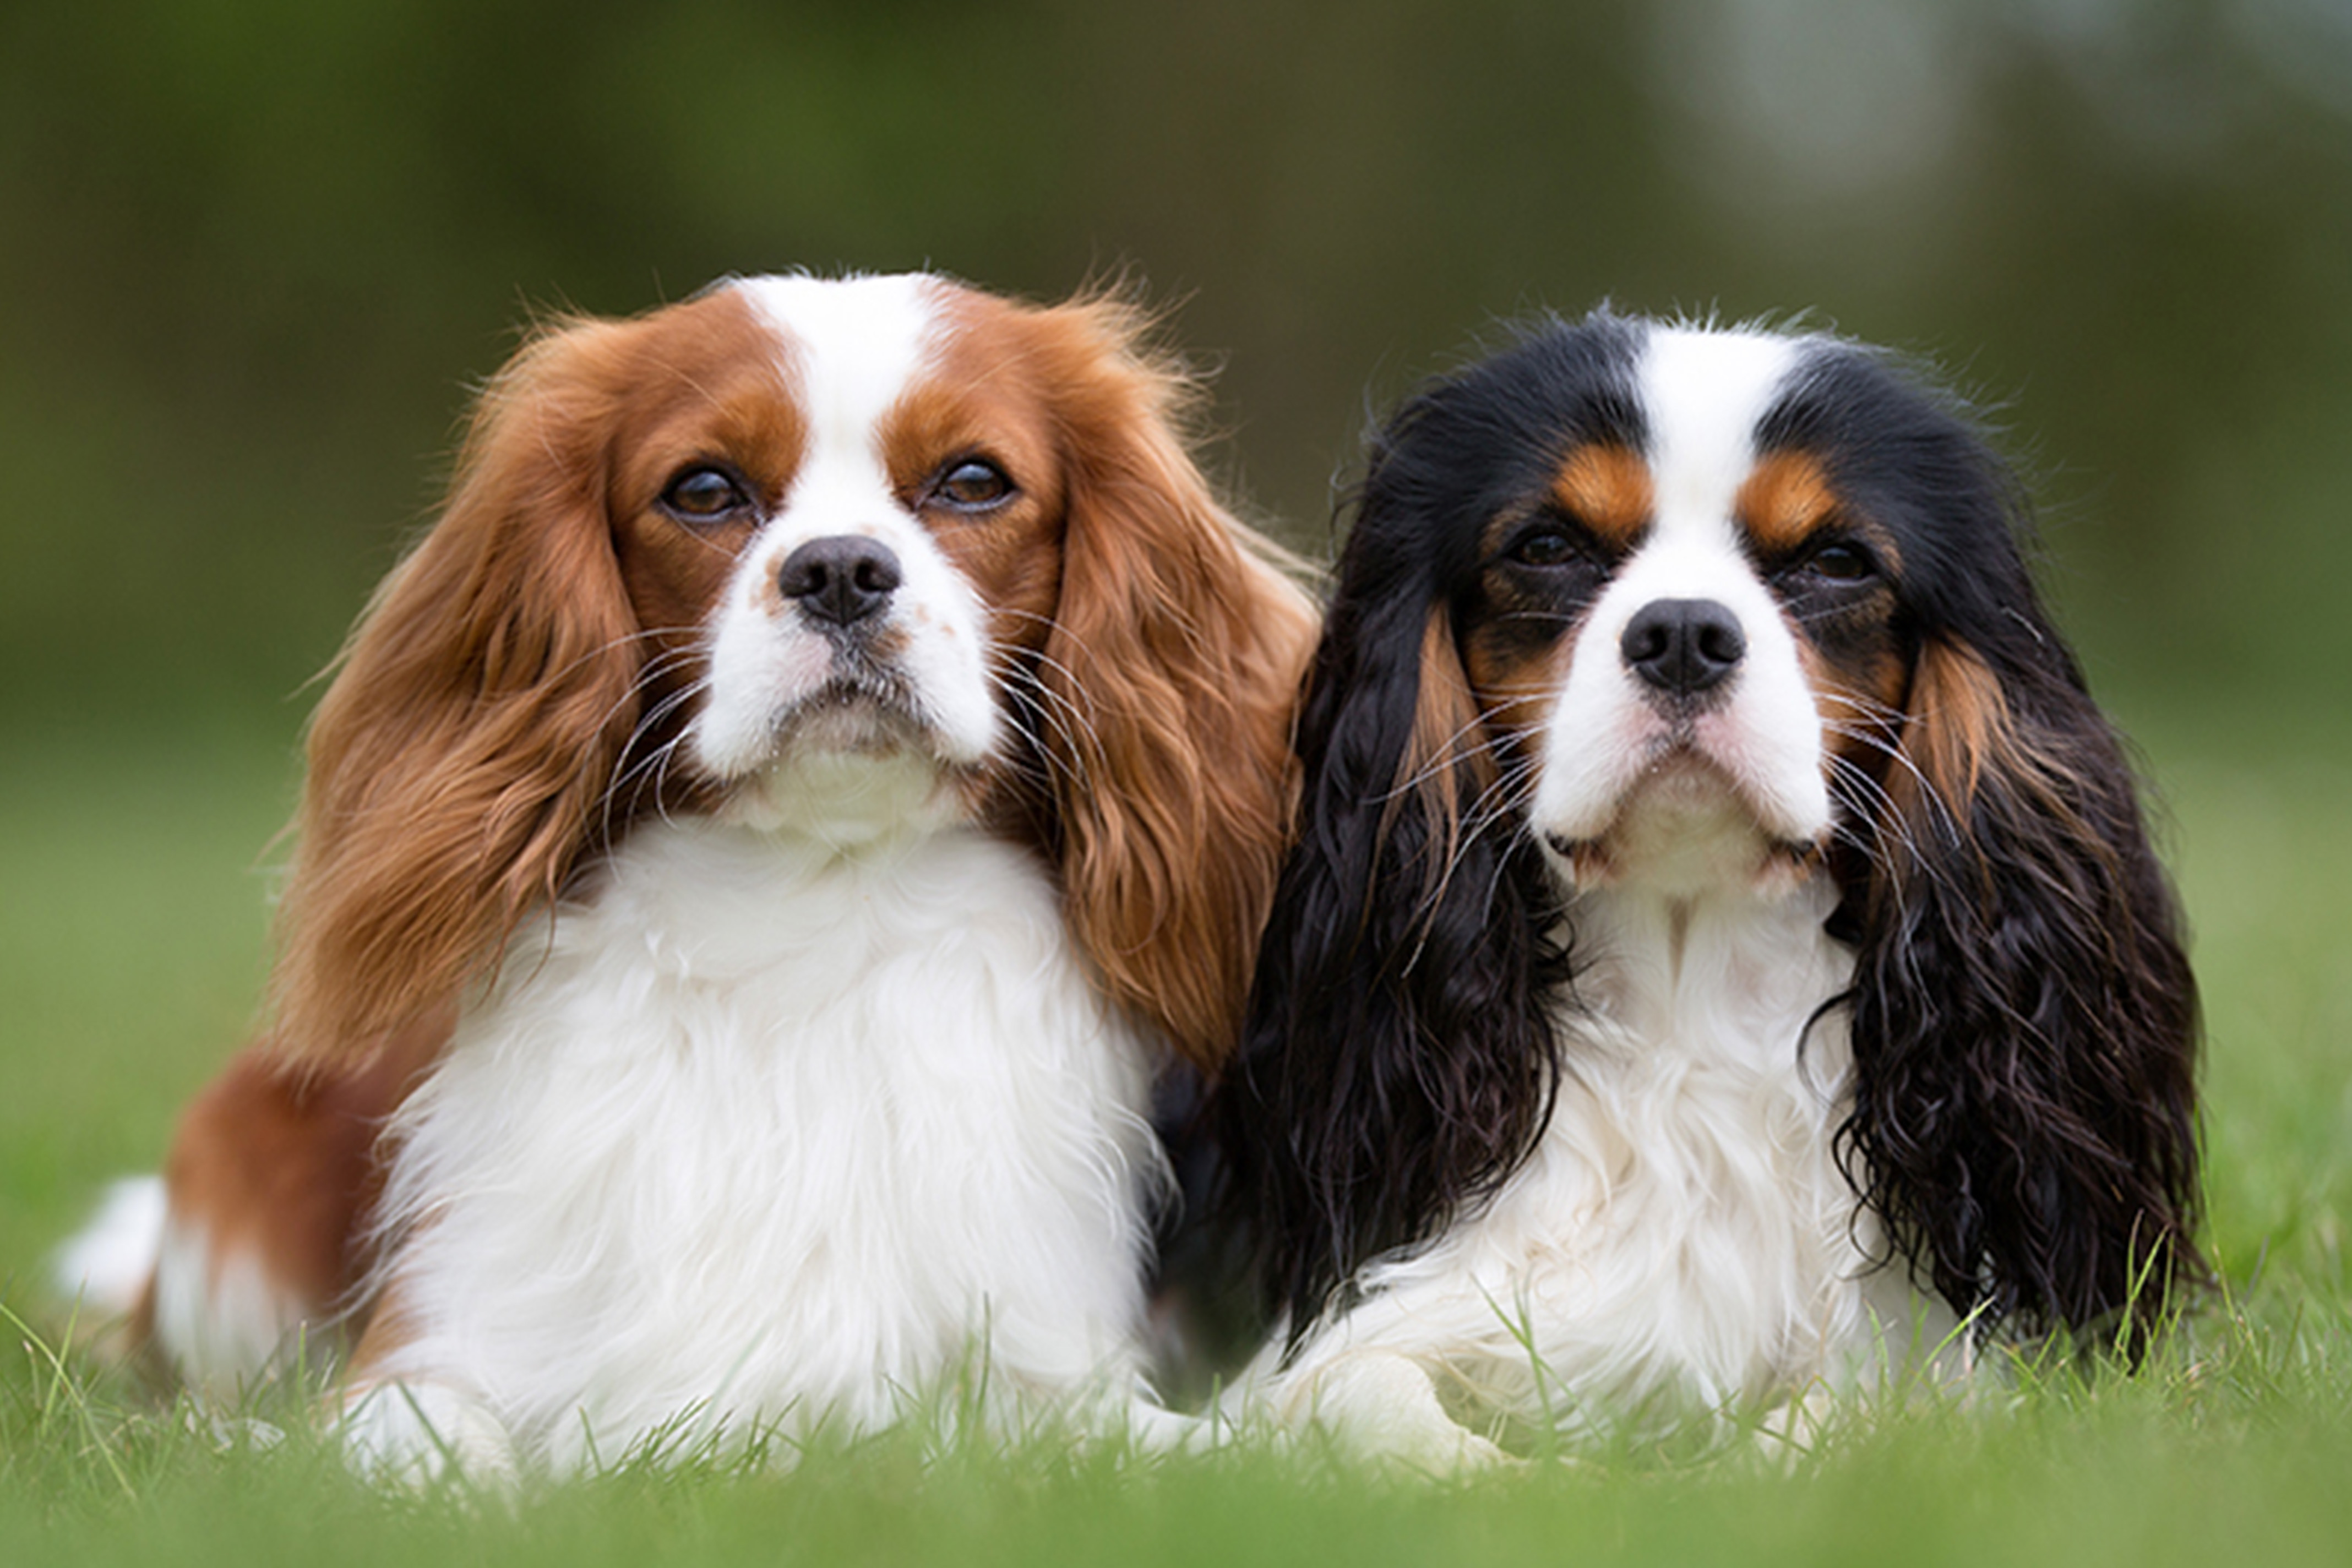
<point>2024,1021</point>
<point>1398,1060</point>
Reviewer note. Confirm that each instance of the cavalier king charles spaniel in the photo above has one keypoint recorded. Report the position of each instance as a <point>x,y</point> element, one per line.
<point>1722,957</point>
<point>755,852</point>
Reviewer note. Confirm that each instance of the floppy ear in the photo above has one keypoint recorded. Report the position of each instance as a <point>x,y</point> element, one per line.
<point>1169,680</point>
<point>472,728</point>
<point>2024,1019</point>
<point>1397,1062</point>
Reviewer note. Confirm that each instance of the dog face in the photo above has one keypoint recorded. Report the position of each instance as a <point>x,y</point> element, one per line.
<point>894,536</point>
<point>1667,626</point>
<point>721,557</point>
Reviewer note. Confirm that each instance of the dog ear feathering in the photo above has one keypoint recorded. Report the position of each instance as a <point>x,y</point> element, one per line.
<point>2024,1019</point>
<point>477,719</point>
<point>1172,667</point>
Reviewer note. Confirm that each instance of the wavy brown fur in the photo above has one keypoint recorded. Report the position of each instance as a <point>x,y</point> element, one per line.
<point>1176,655</point>
<point>458,760</point>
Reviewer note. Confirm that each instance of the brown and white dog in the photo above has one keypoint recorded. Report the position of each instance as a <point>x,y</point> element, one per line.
<point>755,852</point>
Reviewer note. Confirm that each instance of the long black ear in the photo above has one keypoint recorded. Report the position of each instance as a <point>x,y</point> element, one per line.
<point>2025,1023</point>
<point>1397,1062</point>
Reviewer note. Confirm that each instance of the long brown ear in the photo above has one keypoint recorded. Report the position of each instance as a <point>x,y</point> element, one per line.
<point>1174,659</point>
<point>478,711</point>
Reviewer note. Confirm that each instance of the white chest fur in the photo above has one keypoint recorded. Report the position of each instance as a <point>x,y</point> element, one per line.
<point>770,1133</point>
<point>1683,1240</point>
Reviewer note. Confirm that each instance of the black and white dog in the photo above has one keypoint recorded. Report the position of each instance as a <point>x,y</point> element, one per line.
<point>1722,951</point>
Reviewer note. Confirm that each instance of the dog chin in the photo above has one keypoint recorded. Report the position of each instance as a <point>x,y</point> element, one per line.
<point>854,721</point>
<point>1684,828</point>
<point>851,765</point>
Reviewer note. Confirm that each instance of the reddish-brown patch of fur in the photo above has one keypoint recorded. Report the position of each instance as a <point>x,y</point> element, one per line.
<point>1511,674</point>
<point>1959,725</point>
<point>1450,750</point>
<point>1960,736</point>
<point>460,761</point>
<point>1783,499</point>
<point>281,1166</point>
<point>1787,499</point>
<point>1167,668</point>
<point>1515,647</point>
<point>1859,700</point>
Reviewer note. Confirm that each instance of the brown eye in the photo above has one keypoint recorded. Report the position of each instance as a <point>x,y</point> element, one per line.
<point>704,495</point>
<point>1839,562</point>
<point>1544,547</point>
<point>973,484</point>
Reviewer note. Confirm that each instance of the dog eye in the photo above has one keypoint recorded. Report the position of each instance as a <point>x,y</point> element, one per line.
<point>973,484</point>
<point>1544,547</point>
<point>1839,562</point>
<point>704,495</point>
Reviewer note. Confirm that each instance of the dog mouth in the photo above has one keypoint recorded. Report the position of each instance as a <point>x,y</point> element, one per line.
<point>1684,816</point>
<point>861,711</point>
<point>853,761</point>
<point>777,699</point>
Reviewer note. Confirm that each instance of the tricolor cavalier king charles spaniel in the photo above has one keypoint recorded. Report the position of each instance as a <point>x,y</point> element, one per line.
<point>1722,957</point>
<point>756,850</point>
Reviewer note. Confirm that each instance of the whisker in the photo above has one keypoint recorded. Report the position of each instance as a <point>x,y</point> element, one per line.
<point>652,769</point>
<point>1450,753</point>
<point>1876,740</point>
<point>1876,808</point>
<point>1072,727</point>
<point>1499,800</point>
<point>646,634</point>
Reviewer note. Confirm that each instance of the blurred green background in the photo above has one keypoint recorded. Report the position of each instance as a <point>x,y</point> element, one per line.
<point>253,252</point>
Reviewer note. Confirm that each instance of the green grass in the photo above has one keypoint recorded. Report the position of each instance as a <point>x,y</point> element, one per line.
<point>132,927</point>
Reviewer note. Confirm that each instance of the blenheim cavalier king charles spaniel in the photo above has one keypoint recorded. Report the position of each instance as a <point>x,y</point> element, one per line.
<point>1722,957</point>
<point>755,851</point>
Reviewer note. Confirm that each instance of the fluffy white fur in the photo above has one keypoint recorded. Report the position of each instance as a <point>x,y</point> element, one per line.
<point>214,1315</point>
<point>774,1132</point>
<point>1682,1240</point>
<point>106,1265</point>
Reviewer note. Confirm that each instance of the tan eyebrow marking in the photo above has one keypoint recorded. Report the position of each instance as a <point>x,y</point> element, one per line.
<point>1784,500</point>
<point>1607,489</point>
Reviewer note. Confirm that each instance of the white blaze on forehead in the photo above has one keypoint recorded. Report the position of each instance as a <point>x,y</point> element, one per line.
<point>1703,393</point>
<point>852,345</point>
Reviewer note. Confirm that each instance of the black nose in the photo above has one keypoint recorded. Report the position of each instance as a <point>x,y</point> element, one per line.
<point>1684,645</point>
<point>843,579</point>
